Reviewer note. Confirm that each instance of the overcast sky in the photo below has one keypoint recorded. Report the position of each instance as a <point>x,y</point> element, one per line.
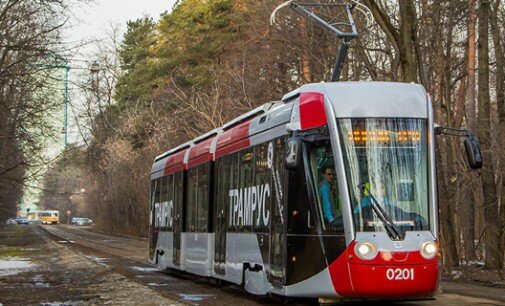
<point>93,20</point>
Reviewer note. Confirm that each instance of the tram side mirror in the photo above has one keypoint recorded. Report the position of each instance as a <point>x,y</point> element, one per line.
<point>473,153</point>
<point>293,153</point>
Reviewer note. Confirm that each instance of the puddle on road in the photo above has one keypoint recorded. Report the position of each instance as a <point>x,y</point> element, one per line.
<point>14,265</point>
<point>30,249</point>
<point>99,260</point>
<point>38,282</point>
<point>7,251</point>
<point>42,285</point>
<point>69,303</point>
<point>157,285</point>
<point>66,241</point>
<point>194,297</point>
<point>144,269</point>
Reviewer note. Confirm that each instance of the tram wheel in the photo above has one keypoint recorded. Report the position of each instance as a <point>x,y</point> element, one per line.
<point>218,282</point>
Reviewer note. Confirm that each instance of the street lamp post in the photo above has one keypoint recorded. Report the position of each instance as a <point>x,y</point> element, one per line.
<point>94,68</point>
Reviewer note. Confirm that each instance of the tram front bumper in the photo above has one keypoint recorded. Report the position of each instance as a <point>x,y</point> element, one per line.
<point>390,275</point>
<point>394,281</point>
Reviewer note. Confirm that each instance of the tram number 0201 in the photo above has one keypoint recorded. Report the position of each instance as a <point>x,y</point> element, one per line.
<point>400,274</point>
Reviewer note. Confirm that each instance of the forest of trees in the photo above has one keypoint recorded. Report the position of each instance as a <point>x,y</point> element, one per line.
<point>206,62</point>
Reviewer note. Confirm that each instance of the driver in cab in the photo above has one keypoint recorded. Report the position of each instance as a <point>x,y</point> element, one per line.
<point>332,211</point>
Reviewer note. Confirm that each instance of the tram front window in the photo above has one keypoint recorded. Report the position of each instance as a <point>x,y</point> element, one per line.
<point>386,165</point>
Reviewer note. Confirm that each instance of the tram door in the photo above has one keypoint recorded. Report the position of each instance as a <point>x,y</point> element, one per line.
<point>277,223</point>
<point>276,248</point>
<point>177,217</point>
<point>153,230</point>
<point>220,218</point>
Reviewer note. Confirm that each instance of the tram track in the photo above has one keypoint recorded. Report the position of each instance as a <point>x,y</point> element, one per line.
<point>127,256</point>
<point>88,238</point>
<point>125,259</point>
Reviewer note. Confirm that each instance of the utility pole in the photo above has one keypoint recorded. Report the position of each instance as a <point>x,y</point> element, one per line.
<point>65,96</point>
<point>94,69</point>
<point>65,101</point>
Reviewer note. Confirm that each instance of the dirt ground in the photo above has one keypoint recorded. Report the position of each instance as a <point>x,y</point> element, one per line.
<point>37,270</point>
<point>476,274</point>
<point>69,265</point>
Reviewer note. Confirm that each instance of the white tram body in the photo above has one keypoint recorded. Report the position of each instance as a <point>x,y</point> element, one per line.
<point>225,206</point>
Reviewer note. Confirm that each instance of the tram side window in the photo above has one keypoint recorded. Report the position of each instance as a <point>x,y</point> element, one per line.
<point>278,177</point>
<point>191,205</point>
<point>169,196</point>
<point>263,184</point>
<point>202,207</point>
<point>178,193</point>
<point>163,200</point>
<point>328,195</point>
<point>230,164</point>
<point>244,215</point>
<point>153,188</point>
<point>157,196</point>
<point>226,189</point>
<point>218,187</point>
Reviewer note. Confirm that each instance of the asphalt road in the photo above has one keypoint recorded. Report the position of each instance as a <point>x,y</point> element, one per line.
<point>128,256</point>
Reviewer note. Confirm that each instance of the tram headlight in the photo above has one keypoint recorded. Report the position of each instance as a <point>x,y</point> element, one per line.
<point>429,250</point>
<point>366,250</point>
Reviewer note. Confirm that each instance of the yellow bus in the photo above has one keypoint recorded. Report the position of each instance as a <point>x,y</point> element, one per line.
<point>49,216</point>
<point>45,216</point>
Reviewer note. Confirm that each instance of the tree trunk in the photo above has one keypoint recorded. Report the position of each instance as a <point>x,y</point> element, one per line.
<point>445,172</point>
<point>450,252</point>
<point>470,110</point>
<point>500,100</point>
<point>306,72</point>
<point>407,41</point>
<point>404,38</point>
<point>492,239</point>
<point>468,207</point>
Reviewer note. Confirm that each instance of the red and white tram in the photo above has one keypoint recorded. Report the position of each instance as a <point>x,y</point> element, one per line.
<point>244,203</point>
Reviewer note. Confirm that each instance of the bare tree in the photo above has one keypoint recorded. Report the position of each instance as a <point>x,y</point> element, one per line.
<point>492,238</point>
<point>29,36</point>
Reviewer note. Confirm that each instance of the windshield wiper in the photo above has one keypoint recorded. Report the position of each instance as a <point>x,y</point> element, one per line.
<point>393,231</point>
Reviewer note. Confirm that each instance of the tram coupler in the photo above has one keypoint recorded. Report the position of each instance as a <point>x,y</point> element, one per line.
<point>329,301</point>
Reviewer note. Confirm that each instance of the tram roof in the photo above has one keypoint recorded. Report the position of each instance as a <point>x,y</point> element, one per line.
<point>183,146</point>
<point>202,147</point>
<point>251,114</point>
<point>371,99</point>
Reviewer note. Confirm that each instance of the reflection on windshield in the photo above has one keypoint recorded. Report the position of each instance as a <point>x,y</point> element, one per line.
<point>386,159</point>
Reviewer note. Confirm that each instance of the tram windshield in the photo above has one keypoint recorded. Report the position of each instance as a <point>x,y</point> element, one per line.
<point>386,168</point>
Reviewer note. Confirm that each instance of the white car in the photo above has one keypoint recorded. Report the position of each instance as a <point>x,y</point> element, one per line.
<point>82,221</point>
<point>11,221</point>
